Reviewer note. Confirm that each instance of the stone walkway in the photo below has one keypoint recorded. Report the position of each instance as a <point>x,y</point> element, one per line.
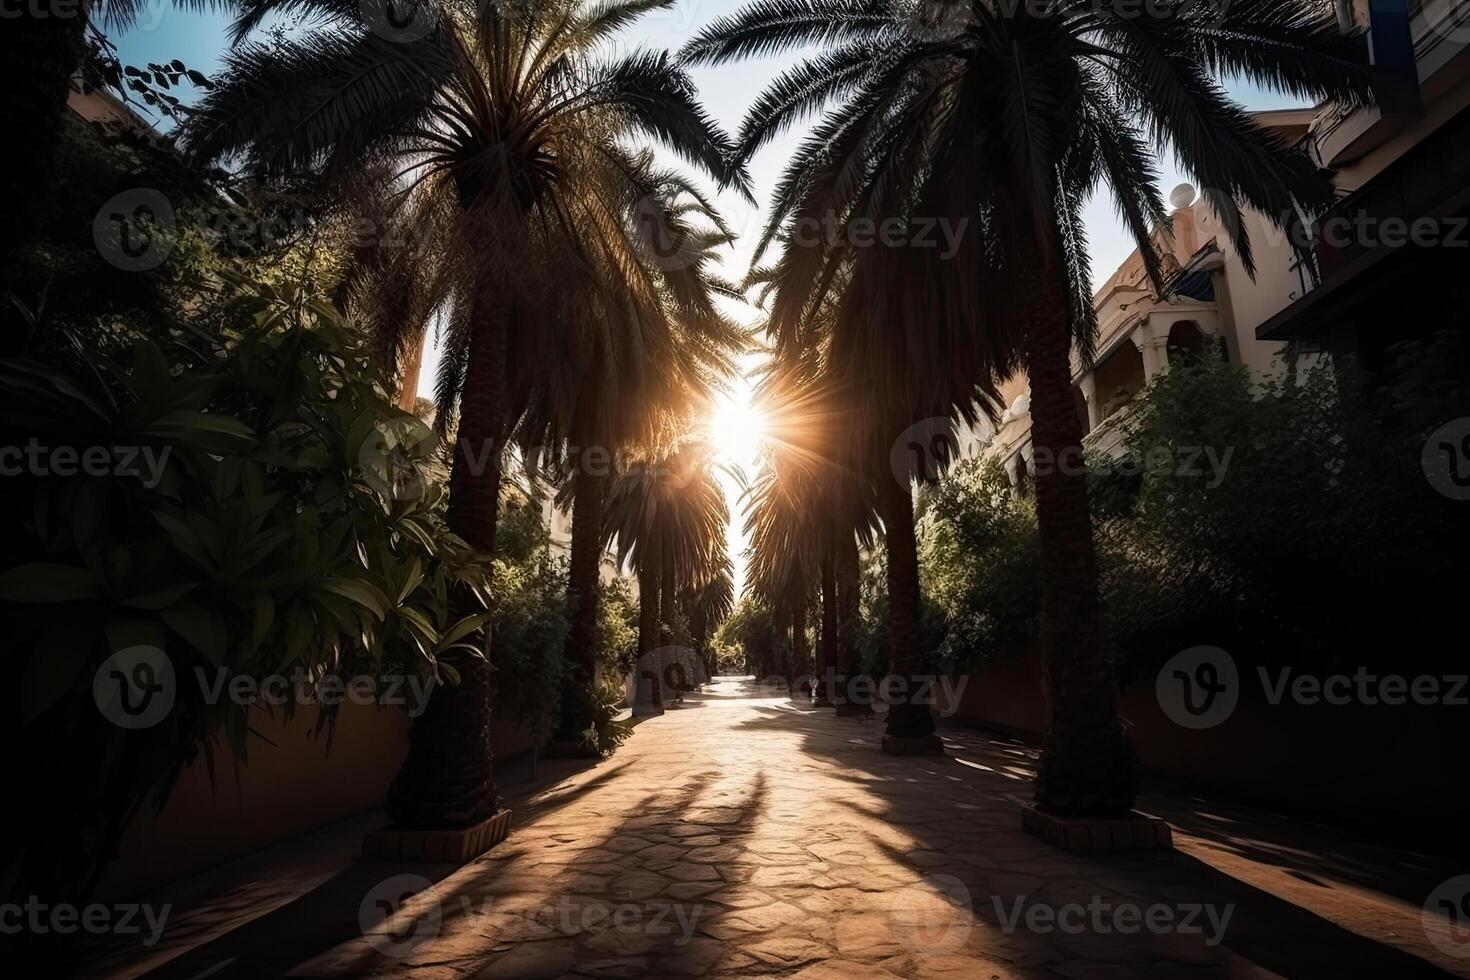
<point>747,836</point>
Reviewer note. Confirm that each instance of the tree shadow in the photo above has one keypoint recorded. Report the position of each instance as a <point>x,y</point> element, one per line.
<point>511,912</point>
<point>957,818</point>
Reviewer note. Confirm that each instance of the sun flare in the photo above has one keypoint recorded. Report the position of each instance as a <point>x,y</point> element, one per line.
<point>736,429</point>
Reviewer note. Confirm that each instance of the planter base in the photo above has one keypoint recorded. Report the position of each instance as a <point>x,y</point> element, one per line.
<point>457,846</point>
<point>1092,835</point>
<point>915,745</point>
<point>822,702</point>
<point>853,710</point>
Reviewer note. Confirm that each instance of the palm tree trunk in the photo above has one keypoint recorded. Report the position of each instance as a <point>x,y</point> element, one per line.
<point>1087,762</point>
<point>799,654</point>
<point>475,472</point>
<point>827,658</point>
<point>448,778</point>
<point>648,633</point>
<point>676,674</point>
<point>849,599</point>
<point>782,646</point>
<point>666,604</point>
<point>582,596</point>
<point>906,720</point>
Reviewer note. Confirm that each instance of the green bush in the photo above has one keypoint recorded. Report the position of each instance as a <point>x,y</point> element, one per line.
<point>290,524</point>
<point>1312,538</point>
<point>981,569</point>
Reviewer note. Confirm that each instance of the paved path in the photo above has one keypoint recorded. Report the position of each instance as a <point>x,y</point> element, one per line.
<point>746,836</point>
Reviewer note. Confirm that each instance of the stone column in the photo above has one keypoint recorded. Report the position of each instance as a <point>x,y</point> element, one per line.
<point>1155,357</point>
<point>1088,386</point>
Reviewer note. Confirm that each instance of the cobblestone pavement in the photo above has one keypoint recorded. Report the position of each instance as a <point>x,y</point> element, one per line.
<point>747,836</point>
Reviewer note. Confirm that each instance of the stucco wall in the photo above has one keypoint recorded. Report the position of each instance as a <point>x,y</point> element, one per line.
<point>290,786</point>
<point>1390,770</point>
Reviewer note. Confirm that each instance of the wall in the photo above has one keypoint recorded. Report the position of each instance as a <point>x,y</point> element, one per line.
<point>1388,770</point>
<point>290,786</point>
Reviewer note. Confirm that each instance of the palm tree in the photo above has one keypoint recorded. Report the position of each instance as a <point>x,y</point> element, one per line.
<point>710,603</point>
<point>668,519</point>
<point>999,120</point>
<point>507,113</point>
<point>650,345</point>
<point>789,505</point>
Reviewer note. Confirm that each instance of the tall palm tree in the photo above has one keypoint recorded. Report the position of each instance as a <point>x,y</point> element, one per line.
<point>506,111</point>
<point>650,346</point>
<point>710,603</point>
<point>667,518</point>
<point>1000,119</point>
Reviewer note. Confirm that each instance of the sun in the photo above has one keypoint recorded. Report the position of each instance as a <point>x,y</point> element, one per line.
<point>736,429</point>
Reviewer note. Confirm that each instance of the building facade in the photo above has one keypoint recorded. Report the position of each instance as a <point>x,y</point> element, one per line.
<point>1365,283</point>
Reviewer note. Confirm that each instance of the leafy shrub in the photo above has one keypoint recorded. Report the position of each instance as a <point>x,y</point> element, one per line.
<point>529,631</point>
<point>605,732</point>
<point>1314,520</point>
<point>981,568</point>
<point>272,538</point>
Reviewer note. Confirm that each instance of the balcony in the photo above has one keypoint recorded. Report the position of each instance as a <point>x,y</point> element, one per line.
<point>1417,40</point>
